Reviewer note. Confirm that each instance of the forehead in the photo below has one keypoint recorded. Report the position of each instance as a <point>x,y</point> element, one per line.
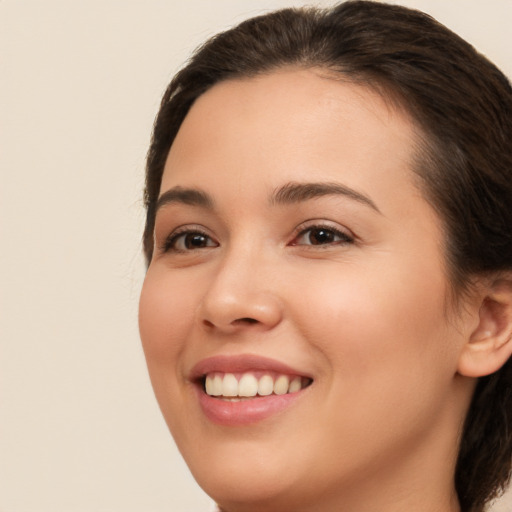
<point>292,125</point>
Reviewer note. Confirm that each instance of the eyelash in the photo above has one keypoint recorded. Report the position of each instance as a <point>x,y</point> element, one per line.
<point>343,238</point>
<point>339,238</point>
<point>171,241</point>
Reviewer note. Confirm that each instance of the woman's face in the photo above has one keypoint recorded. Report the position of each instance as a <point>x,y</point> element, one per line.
<point>295,256</point>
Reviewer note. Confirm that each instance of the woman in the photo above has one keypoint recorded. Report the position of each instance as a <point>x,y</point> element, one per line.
<point>327,312</point>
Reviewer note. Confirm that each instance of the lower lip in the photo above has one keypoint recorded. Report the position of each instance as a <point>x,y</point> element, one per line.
<point>246,411</point>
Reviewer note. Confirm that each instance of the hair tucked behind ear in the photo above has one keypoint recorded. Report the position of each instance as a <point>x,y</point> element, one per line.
<point>463,106</point>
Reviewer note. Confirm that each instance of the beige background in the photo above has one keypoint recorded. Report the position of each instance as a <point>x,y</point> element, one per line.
<point>80,82</point>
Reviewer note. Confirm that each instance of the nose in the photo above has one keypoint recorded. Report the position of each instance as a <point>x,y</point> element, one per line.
<point>242,294</point>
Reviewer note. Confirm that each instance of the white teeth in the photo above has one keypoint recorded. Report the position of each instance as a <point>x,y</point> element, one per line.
<point>213,385</point>
<point>295,385</point>
<point>265,385</point>
<point>209,386</point>
<point>281,385</point>
<point>217,385</point>
<point>229,387</point>
<point>248,385</point>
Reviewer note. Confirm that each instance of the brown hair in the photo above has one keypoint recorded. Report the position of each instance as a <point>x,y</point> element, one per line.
<point>463,105</point>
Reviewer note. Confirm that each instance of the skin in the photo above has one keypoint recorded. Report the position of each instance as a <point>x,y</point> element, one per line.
<point>367,319</point>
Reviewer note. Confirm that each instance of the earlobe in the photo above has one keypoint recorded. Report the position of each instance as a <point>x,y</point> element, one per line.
<point>490,344</point>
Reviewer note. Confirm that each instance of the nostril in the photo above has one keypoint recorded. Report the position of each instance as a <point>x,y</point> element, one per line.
<point>230,325</point>
<point>245,321</point>
<point>237,322</point>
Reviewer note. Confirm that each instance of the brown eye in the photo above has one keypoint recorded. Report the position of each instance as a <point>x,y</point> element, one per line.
<point>195,241</point>
<point>188,241</point>
<point>322,235</point>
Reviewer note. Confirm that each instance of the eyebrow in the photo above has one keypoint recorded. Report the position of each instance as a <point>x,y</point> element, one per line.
<point>190,196</point>
<point>298,192</point>
<point>289,193</point>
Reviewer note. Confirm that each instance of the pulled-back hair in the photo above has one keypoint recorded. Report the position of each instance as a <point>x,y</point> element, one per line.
<point>462,105</point>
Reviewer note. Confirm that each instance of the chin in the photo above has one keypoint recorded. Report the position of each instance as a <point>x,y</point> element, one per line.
<point>252,479</point>
<point>252,492</point>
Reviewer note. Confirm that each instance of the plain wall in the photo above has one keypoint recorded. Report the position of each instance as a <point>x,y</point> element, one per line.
<point>80,82</point>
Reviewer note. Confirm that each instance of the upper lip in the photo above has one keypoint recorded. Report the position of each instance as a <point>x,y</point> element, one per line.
<point>241,363</point>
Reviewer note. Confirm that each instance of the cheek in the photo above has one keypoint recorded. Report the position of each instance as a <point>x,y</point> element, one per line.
<point>164,318</point>
<point>379,327</point>
<point>388,366</point>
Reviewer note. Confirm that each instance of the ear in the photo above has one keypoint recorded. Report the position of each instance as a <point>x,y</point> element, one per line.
<point>490,344</point>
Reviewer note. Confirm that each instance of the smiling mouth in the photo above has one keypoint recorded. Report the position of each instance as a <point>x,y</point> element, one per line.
<point>236,387</point>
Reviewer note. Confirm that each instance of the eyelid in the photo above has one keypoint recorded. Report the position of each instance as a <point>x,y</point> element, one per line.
<point>308,225</point>
<point>346,235</point>
<point>166,244</point>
